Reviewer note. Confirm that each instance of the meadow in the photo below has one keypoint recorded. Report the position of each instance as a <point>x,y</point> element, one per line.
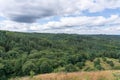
<point>94,75</point>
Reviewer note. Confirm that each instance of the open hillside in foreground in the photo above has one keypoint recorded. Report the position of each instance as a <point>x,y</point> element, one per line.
<point>23,54</point>
<point>98,75</point>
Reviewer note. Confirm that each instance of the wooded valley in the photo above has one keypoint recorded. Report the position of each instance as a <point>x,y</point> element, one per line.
<point>23,54</point>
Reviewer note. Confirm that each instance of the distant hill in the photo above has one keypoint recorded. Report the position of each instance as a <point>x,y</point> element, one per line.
<point>24,54</point>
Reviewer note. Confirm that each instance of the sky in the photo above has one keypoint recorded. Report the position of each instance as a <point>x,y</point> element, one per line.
<point>61,16</point>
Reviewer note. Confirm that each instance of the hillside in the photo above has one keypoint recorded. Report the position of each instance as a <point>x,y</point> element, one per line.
<point>98,75</point>
<point>23,54</point>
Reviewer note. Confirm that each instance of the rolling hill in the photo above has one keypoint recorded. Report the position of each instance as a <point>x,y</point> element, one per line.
<point>24,54</point>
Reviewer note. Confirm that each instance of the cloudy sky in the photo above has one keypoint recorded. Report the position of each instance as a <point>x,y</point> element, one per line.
<point>61,16</point>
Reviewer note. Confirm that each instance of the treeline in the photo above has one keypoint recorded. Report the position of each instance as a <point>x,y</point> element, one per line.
<point>24,54</point>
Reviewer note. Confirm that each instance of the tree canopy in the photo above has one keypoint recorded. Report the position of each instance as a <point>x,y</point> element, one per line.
<point>23,53</point>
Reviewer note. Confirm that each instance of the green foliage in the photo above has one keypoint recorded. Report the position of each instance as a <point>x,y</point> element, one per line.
<point>104,59</point>
<point>116,75</point>
<point>32,73</point>
<point>1,66</point>
<point>28,67</point>
<point>2,73</point>
<point>89,69</point>
<point>70,68</point>
<point>80,64</point>
<point>59,69</point>
<point>97,64</point>
<point>45,67</point>
<point>119,59</point>
<point>116,67</point>
<point>110,63</point>
<point>21,53</point>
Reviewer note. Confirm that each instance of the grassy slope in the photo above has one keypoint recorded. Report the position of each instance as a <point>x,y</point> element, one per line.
<point>104,64</point>
<point>98,75</point>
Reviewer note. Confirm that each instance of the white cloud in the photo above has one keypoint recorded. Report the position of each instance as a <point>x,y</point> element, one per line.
<point>13,26</point>
<point>84,21</point>
<point>30,10</point>
<point>79,25</point>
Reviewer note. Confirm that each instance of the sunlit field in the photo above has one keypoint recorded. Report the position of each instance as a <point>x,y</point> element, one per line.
<point>97,75</point>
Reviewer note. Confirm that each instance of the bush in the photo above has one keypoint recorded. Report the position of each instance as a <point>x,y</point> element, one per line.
<point>110,63</point>
<point>99,67</point>
<point>116,67</point>
<point>3,77</point>
<point>45,67</point>
<point>104,59</point>
<point>70,68</point>
<point>116,75</point>
<point>80,65</point>
<point>28,67</point>
<point>32,73</point>
<point>89,69</point>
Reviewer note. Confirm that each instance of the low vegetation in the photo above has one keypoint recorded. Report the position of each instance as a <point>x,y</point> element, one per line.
<point>97,75</point>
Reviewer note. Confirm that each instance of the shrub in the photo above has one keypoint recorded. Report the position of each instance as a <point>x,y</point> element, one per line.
<point>32,73</point>
<point>70,68</point>
<point>45,67</point>
<point>110,63</point>
<point>116,67</point>
<point>80,65</point>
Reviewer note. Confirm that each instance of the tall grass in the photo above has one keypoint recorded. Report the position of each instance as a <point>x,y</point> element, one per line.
<point>99,75</point>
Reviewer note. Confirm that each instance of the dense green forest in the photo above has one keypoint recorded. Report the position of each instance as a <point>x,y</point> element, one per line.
<point>23,54</point>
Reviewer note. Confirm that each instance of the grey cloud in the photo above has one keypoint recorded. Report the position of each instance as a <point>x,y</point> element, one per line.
<point>26,19</point>
<point>30,18</point>
<point>28,11</point>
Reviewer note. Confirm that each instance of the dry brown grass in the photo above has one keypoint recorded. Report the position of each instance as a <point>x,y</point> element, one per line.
<point>98,75</point>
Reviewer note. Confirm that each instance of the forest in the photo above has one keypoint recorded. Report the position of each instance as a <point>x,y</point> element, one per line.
<point>24,54</point>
